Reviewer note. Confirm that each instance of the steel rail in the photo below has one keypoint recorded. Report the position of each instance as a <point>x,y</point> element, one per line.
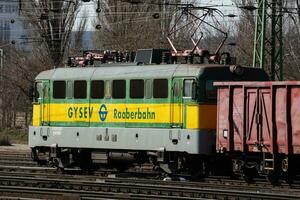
<point>131,187</point>
<point>141,178</point>
<point>80,194</point>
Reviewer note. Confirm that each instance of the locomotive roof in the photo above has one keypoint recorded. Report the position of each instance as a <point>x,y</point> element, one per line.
<point>123,72</point>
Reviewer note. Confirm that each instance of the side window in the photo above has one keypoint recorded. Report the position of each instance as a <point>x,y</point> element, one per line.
<point>45,91</point>
<point>107,89</point>
<point>80,90</point>
<point>119,89</point>
<point>97,89</point>
<point>188,88</point>
<point>148,88</point>
<point>210,89</point>
<point>137,89</point>
<point>160,88</point>
<point>59,89</point>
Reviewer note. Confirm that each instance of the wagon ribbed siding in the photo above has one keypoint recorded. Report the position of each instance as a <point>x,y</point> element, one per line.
<point>162,113</point>
<point>258,125</point>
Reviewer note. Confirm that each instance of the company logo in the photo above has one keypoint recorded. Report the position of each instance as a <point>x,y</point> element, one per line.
<point>103,112</point>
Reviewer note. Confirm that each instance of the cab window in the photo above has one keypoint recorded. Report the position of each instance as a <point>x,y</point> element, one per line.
<point>188,88</point>
<point>38,91</point>
<point>210,90</point>
<point>59,89</point>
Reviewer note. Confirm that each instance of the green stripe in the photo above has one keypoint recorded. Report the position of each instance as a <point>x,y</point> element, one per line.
<point>111,124</point>
<point>160,101</point>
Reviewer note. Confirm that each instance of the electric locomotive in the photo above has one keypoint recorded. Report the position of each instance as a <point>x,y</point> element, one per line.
<point>119,115</point>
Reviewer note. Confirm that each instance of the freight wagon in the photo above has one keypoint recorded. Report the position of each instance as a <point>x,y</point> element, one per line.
<point>258,127</point>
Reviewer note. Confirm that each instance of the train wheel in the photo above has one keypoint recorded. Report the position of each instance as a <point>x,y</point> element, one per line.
<point>287,171</point>
<point>249,172</point>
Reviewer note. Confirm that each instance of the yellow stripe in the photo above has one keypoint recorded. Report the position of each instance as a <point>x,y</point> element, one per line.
<point>36,115</point>
<point>143,113</point>
<point>201,116</point>
<point>197,116</point>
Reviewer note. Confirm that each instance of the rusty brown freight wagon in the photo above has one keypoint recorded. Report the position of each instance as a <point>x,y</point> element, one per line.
<point>258,127</point>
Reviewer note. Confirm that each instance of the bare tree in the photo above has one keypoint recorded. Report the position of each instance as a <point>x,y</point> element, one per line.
<point>17,76</point>
<point>244,34</point>
<point>291,11</point>
<point>126,26</point>
<point>53,21</point>
<point>245,29</point>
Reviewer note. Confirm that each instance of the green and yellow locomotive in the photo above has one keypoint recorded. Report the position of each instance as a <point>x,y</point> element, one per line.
<point>119,115</point>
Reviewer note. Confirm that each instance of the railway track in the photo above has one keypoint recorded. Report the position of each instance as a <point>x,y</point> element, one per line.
<point>100,186</point>
<point>146,188</point>
<point>17,180</point>
<point>18,163</point>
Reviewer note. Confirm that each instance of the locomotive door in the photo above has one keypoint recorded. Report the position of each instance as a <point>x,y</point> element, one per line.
<point>176,103</point>
<point>258,121</point>
<point>44,104</point>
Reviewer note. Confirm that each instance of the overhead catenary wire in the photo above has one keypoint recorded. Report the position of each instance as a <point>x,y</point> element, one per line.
<point>144,18</point>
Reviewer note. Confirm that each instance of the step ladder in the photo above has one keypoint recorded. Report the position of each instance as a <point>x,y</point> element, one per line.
<point>268,160</point>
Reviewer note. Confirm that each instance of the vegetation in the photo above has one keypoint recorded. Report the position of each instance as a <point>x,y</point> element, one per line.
<point>13,136</point>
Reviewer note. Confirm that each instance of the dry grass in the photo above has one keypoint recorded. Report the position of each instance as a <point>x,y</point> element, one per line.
<point>13,136</point>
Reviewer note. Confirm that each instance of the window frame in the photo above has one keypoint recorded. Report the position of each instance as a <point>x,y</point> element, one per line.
<point>107,89</point>
<point>205,90</point>
<point>69,89</point>
<point>148,89</point>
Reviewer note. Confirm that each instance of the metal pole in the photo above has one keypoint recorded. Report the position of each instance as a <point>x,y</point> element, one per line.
<point>268,49</point>
<point>1,60</point>
<point>1,85</point>
<point>260,35</point>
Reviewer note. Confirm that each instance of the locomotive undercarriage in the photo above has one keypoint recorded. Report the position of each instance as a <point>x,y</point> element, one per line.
<point>169,163</point>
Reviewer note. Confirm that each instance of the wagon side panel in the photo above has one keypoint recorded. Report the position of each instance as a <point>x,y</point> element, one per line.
<point>294,139</point>
<point>281,118</point>
<point>237,105</point>
<point>222,122</point>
